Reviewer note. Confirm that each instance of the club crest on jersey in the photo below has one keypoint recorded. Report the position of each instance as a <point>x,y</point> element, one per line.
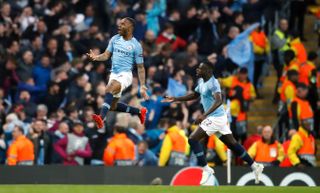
<point>129,47</point>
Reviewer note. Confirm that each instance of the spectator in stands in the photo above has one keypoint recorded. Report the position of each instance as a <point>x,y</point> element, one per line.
<point>135,130</point>
<point>42,71</point>
<point>301,150</point>
<point>76,94</point>
<point>261,49</point>
<point>299,49</point>
<point>60,133</point>
<point>155,107</point>
<point>267,151</point>
<point>9,77</point>
<point>120,150</point>
<point>174,147</point>
<point>298,10</point>
<point>41,142</point>
<point>149,44</point>
<point>154,137</point>
<point>145,156</point>
<point>29,107</point>
<point>287,94</point>
<point>21,150</point>
<point>253,138</point>
<point>25,66</point>
<point>168,36</point>
<point>74,148</point>
<point>253,10</point>
<point>279,44</point>
<point>290,63</point>
<point>208,35</point>
<point>216,151</point>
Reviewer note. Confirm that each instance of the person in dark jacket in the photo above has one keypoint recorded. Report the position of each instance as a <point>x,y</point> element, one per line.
<point>41,142</point>
<point>208,31</point>
<point>55,137</point>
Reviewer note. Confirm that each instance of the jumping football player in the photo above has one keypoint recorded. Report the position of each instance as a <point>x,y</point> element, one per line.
<point>125,51</point>
<point>214,120</point>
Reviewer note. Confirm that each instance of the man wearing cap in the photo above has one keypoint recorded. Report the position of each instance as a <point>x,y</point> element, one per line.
<point>74,148</point>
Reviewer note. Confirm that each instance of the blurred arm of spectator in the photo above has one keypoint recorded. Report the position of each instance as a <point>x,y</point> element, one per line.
<point>60,148</point>
<point>165,151</point>
<point>12,155</point>
<point>87,152</point>
<point>295,145</point>
<point>109,154</point>
<point>31,88</point>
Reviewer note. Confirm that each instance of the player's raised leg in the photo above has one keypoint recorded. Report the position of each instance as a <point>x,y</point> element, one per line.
<point>238,149</point>
<point>113,88</point>
<point>122,107</point>
<point>194,142</point>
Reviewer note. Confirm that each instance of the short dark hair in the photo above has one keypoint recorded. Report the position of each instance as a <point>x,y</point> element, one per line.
<point>289,54</point>
<point>243,70</point>
<point>292,73</point>
<point>302,85</point>
<point>312,55</point>
<point>208,64</point>
<point>132,21</point>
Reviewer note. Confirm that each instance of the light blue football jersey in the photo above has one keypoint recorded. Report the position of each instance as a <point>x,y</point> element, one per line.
<point>206,91</point>
<point>124,53</point>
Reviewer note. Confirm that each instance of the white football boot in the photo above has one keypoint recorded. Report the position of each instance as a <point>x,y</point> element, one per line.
<point>257,170</point>
<point>207,176</point>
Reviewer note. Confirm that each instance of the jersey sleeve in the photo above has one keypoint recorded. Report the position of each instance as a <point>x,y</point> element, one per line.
<point>138,55</point>
<point>214,86</point>
<point>110,45</point>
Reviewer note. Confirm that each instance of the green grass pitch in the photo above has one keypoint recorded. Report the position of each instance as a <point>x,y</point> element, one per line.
<point>149,189</point>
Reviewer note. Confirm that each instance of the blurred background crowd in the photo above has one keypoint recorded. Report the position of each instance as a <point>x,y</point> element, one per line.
<point>49,89</point>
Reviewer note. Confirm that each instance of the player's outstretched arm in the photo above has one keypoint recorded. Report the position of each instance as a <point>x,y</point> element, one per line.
<point>142,79</point>
<point>188,97</point>
<point>99,57</point>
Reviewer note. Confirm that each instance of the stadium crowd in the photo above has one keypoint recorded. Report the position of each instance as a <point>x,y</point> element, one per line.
<point>49,89</point>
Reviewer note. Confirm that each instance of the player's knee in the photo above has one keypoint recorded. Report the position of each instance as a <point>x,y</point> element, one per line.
<point>113,90</point>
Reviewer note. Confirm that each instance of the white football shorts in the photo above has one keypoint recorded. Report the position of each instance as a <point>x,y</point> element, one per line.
<point>124,78</point>
<point>216,125</point>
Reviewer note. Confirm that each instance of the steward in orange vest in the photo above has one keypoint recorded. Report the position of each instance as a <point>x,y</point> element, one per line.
<point>21,150</point>
<point>299,49</point>
<point>174,148</point>
<point>300,109</point>
<point>302,149</point>
<point>288,88</point>
<point>308,71</point>
<point>241,92</point>
<point>267,151</point>
<point>120,150</point>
